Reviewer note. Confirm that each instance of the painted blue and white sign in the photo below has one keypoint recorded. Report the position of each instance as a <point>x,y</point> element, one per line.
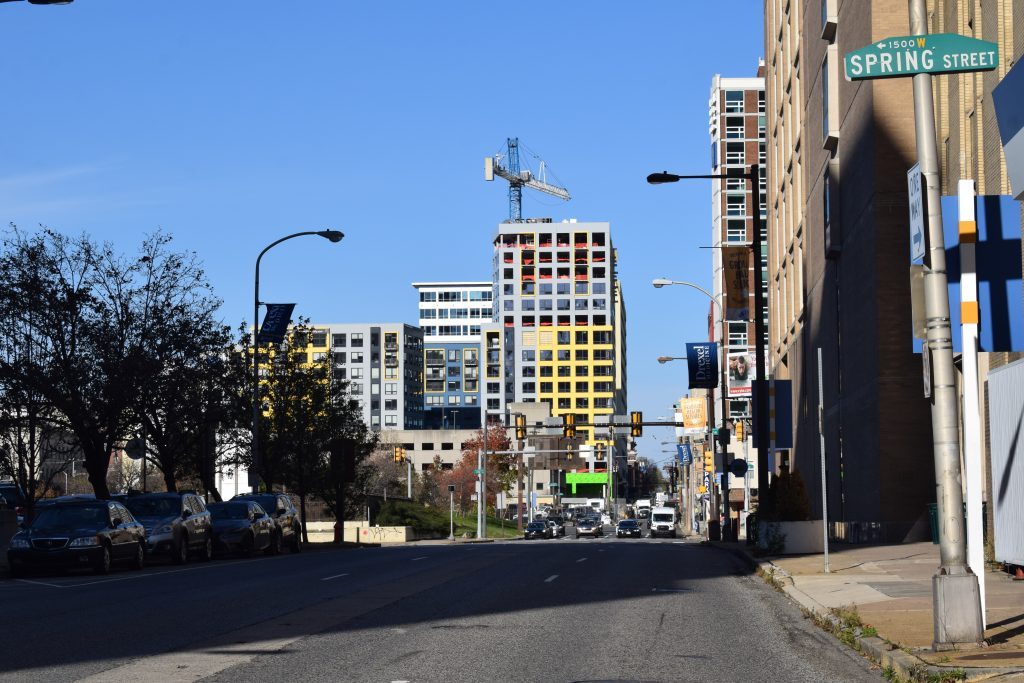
<point>685,453</point>
<point>702,361</point>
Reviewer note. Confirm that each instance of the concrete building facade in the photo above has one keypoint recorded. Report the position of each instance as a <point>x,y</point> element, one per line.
<point>838,257</point>
<point>383,364</point>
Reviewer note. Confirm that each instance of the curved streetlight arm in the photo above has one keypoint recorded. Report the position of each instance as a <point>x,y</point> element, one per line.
<point>662,282</point>
<point>332,235</point>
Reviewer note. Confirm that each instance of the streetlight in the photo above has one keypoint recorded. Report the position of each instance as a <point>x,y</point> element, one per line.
<point>333,236</point>
<point>663,282</point>
<point>753,177</point>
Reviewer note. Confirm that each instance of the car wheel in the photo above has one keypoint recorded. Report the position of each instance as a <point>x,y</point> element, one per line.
<point>296,545</point>
<point>275,545</point>
<point>207,553</point>
<point>247,545</point>
<point>140,557</point>
<point>103,563</point>
<point>179,552</point>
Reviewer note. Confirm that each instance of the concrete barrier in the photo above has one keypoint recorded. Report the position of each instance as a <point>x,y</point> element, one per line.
<point>360,532</point>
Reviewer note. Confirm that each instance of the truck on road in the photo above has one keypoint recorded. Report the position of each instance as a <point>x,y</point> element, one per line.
<point>663,522</point>
<point>643,508</point>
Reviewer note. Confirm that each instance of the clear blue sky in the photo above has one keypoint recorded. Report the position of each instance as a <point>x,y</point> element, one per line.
<point>230,124</point>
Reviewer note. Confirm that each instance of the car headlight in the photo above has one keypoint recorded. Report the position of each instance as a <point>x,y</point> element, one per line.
<point>85,542</point>
<point>19,543</point>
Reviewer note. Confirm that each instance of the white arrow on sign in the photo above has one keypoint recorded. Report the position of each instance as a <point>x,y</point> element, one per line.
<point>880,46</point>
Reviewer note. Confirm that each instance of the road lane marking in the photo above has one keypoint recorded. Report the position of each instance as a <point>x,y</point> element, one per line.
<point>551,578</point>
<point>143,575</point>
<point>582,559</point>
<point>336,576</point>
<point>671,590</point>
<point>415,559</point>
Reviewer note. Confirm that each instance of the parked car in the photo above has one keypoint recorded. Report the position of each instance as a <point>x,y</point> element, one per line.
<point>243,526</point>
<point>628,528</point>
<point>557,525</point>
<point>176,523</point>
<point>12,498</point>
<point>589,526</point>
<point>78,533</point>
<point>537,529</point>
<point>286,518</point>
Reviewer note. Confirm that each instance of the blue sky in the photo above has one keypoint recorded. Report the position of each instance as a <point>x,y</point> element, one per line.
<point>230,124</point>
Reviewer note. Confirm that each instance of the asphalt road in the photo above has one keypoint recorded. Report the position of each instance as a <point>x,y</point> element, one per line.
<point>553,610</point>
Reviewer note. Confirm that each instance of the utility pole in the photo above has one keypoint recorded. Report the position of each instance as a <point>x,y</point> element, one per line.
<point>955,591</point>
<point>408,479</point>
<point>481,458</point>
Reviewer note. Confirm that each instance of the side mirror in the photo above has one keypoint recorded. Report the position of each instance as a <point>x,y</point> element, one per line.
<point>116,522</point>
<point>185,514</point>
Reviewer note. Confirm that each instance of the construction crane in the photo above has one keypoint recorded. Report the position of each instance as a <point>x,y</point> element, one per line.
<point>518,179</point>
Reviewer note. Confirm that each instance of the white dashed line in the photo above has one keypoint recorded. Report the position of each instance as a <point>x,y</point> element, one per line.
<point>551,578</point>
<point>582,559</point>
<point>336,576</point>
<point>419,558</point>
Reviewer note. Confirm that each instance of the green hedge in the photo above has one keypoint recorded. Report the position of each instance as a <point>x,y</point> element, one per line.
<point>425,521</point>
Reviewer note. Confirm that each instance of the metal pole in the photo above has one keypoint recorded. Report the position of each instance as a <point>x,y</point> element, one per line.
<point>957,608</point>
<point>480,483</point>
<point>821,440</point>
<point>760,374</point>
<point>451,503</point>
<point>254,473</point>
<point>519,486</point>
<point>726,513</point>
<point>408,479</point>
<point>712,491</point>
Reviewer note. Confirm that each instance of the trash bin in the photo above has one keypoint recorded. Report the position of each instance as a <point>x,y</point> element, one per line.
<point>933,520</point>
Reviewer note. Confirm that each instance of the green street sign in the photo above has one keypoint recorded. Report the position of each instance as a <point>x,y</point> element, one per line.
<point>476,471</point>
<point>928,54</point>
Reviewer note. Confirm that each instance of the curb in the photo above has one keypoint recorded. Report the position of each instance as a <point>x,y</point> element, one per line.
<point>902,663</point>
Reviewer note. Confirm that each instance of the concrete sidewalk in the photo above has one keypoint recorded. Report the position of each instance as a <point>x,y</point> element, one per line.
<point>890,587</point>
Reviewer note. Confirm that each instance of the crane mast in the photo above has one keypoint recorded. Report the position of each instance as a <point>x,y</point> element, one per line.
<point>517,179</point>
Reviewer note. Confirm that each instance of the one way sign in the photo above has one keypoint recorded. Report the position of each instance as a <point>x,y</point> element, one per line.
<point>915,188</point>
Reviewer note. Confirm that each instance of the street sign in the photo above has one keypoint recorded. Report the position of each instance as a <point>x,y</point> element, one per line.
<point>135,448</point>
<point>477,471</point>
<point>451,488</point>
<point>915,188</point>
<point>925,54</point>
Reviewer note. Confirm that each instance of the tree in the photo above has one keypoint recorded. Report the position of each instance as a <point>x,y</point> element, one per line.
<point>501,472</point>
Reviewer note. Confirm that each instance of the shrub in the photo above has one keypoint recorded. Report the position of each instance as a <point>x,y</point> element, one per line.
<point>424,521</point>
<point>786,499</point>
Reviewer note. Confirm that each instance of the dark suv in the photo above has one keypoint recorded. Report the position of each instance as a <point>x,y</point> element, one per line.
<point>176,523</point>
<point>78,533</point>
<point>286,518</point>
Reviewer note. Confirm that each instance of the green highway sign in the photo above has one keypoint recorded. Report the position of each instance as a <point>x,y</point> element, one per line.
<point>927,54</point>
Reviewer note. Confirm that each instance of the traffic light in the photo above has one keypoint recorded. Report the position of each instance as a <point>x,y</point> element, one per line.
<point>739,430</point>
<point>636,420</point>
<point>599,451</point>
<point>399,454</point>
<point>709,461</point>
<point>520,427</point>
<point>569,426</point>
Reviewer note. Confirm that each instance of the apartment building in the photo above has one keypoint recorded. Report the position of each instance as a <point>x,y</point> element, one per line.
<point>736,123</point>
<point>451,315</point>
<point>559,330</point>
<point>383,365</point>
<point>838,255</point>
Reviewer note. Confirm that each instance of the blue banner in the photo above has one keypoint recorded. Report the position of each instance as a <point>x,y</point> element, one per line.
<point>275,323</point>
<point>685,454</point>
<point>702,360</point>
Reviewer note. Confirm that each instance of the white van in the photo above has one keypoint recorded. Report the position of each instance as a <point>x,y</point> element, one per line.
<point>663,522</point>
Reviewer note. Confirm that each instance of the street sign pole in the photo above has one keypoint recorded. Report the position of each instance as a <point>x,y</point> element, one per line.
<point>957,607</point>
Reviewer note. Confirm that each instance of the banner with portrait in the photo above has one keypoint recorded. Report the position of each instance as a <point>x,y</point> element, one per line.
<point>736,267</point>
<point>741,374</point>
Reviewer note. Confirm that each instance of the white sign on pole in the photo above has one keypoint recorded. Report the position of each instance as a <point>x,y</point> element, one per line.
<point>915,188</point>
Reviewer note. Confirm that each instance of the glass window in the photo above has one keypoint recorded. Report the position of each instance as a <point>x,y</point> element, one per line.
<point>734,101</point>
<point>357,339</point>
<point>338,339</point>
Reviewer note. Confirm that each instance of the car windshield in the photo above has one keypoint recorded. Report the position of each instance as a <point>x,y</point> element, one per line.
<point>72,517</point>
<point>228,510</point>
<point>663,517</point>
<point>627,523</point>
<point>154,507</point>
<point>536,526</point>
